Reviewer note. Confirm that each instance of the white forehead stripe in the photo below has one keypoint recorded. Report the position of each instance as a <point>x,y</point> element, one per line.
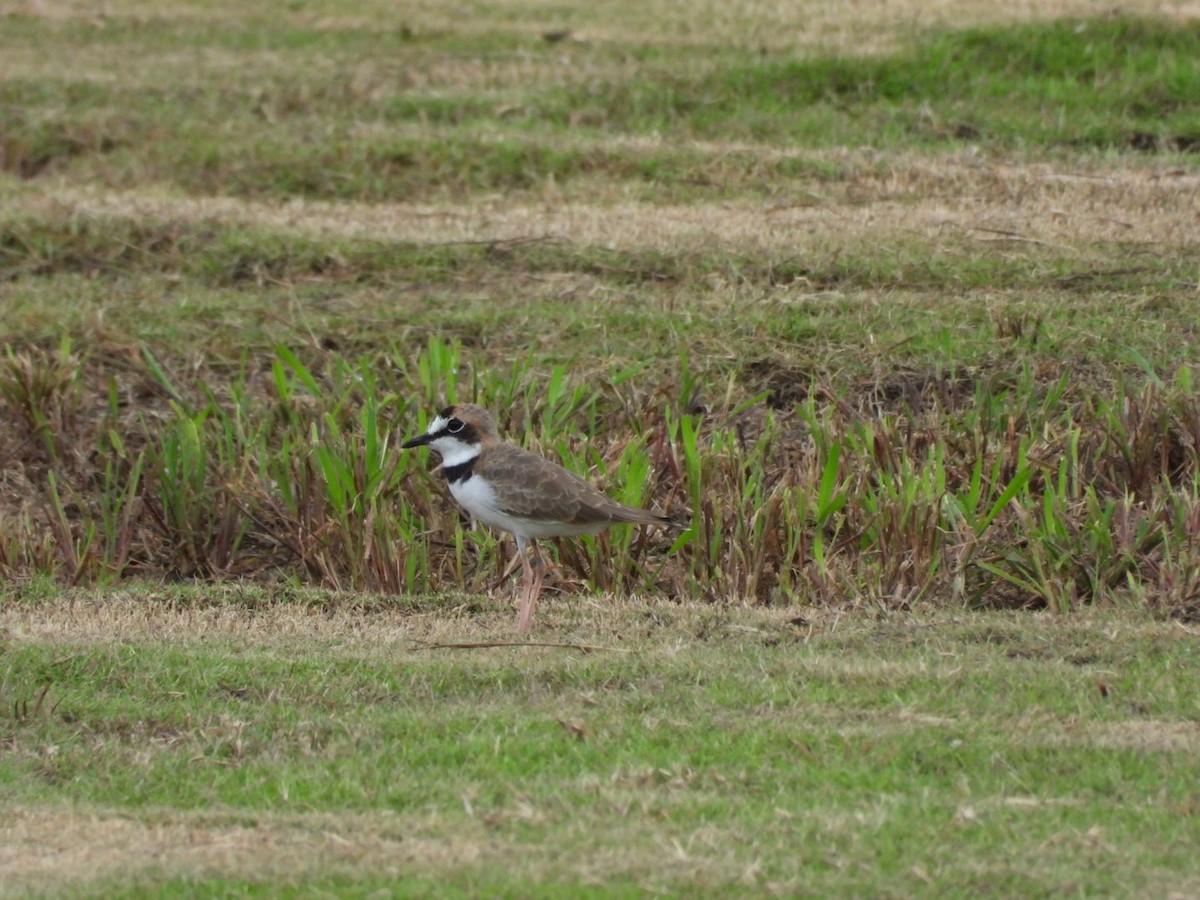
<point>437,424</point>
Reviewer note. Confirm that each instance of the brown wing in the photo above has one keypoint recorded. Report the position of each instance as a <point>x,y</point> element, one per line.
<point>540,490</point>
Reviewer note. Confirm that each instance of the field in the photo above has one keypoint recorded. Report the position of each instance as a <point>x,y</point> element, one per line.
<point>893,307</point>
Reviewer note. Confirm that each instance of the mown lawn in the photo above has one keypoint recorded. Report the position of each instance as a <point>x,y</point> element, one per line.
<point>192,740</point>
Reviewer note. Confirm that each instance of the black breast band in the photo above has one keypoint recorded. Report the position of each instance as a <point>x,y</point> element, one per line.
<point>460,472</point>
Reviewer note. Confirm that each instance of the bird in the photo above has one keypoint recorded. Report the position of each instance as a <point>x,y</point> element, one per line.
<point>516,491</point>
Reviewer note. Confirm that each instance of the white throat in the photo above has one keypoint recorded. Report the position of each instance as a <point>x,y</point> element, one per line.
<point>454,452</point>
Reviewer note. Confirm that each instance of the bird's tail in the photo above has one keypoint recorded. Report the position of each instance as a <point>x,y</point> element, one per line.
<point>635,516</point>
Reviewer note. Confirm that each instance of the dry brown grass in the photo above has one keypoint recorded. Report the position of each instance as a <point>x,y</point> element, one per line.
<point>350,620</point>
<point>55,848</point>
<point>951,197</point>
<point>872,27</point>
<point>776,26</point>
<point>1150,735</point>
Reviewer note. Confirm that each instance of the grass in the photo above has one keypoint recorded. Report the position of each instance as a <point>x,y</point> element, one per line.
<point>355,128</point>
<point>1086,83</point>
<point>898,321</point>
<point>779,754</point>
<point>996,486</point>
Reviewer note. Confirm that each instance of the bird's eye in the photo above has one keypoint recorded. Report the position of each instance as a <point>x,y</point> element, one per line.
<point>454,426</point>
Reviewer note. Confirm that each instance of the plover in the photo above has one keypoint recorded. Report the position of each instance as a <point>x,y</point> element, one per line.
<point>516,491</point>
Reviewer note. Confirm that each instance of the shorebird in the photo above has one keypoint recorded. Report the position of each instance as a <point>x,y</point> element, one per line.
<point>513,490</point>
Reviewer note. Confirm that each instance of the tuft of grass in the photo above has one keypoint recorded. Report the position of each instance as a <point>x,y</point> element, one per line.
<point>41,390</point>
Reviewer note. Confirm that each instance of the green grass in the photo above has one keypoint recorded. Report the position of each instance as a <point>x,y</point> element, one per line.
<point>882,435</point>
<point>893,756</point>
<point>1086,83</point>
<point>322,132</point>
<point>251,258</point>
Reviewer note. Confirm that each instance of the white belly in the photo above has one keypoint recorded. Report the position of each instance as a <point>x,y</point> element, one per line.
<point>476,496</point>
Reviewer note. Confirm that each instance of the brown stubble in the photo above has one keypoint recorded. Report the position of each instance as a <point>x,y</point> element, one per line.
<point>1070,207</point>
<point>765,24</point>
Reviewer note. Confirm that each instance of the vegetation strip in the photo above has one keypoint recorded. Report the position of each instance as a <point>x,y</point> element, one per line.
<point>1000,489</point>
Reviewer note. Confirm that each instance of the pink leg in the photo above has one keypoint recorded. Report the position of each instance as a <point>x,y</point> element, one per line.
<point>531,586</point>
<point>539,570</point>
